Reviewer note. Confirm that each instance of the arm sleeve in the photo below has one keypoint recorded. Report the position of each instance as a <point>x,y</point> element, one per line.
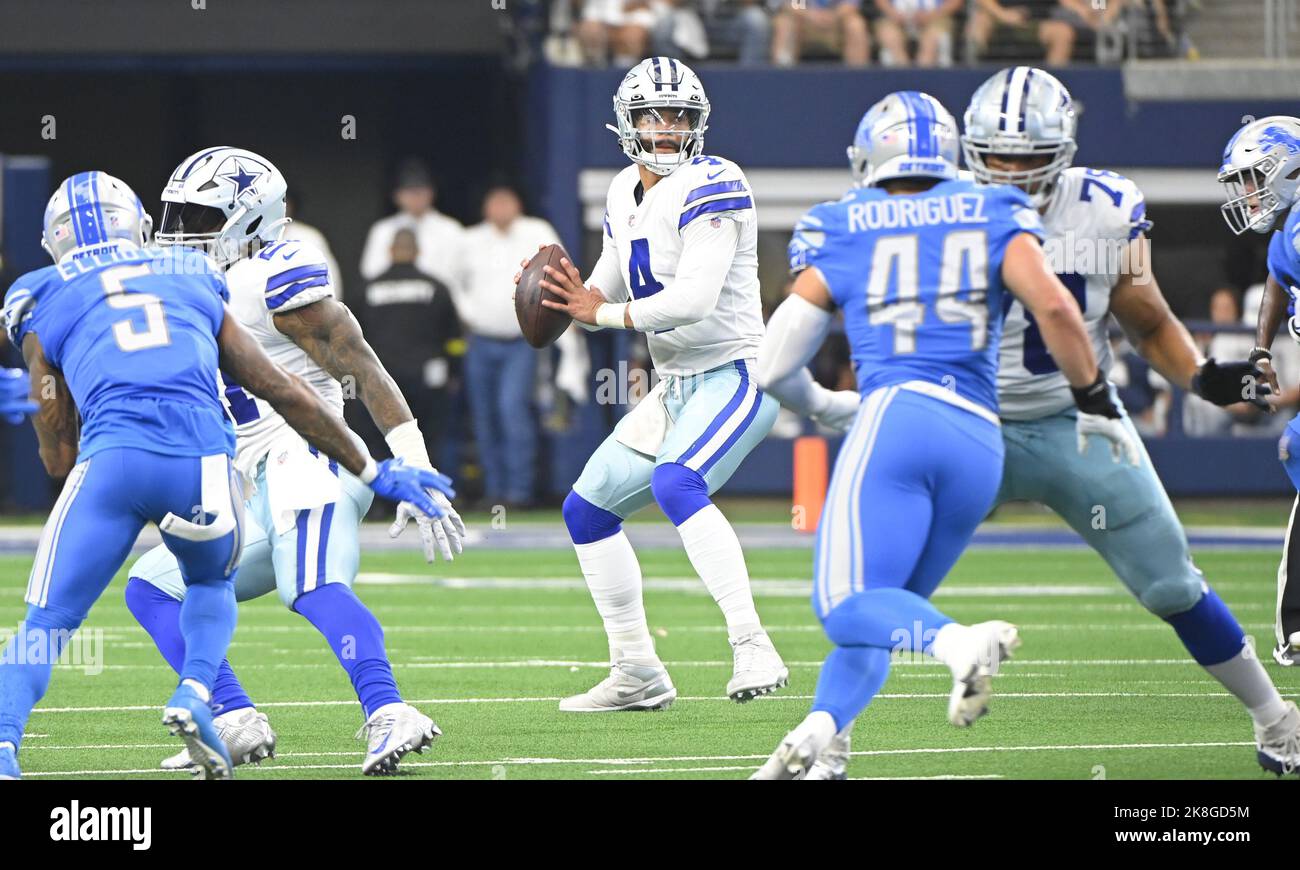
<point>795,331</point>
<point>707,255</point>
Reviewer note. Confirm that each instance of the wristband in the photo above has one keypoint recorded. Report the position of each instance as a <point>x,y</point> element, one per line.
<point>407,443</point>
<point>610,316</point>
<point>370,472</point>
<point>1260,352</point>
<point>1095,398</point>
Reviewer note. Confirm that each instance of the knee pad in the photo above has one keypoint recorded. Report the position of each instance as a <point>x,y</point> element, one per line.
<point>586,522</point>
<point>680,491</point>
<point>1174,594</point>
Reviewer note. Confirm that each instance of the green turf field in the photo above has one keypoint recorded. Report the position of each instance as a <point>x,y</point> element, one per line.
<point>1099,688</point>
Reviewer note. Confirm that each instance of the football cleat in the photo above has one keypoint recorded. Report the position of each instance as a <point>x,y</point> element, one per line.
<point>246,733</point>
<point>190,718</point>
<point>1285,654</point>
<point>800,748</point>
<point>833,761</point>
<point>1277,746</point>
<point>974,659</point>
<point>757,668</point>
<point>629,686</point>
<point>9,762</point>
<point>392,731</point>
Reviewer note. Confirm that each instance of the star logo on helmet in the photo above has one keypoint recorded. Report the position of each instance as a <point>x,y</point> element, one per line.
<point>242,178</point>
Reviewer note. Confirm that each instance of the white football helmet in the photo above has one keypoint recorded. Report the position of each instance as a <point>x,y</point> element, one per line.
<point>662,90</point>
<point>1021,111</point>
<point>908,134</point>
<point>1261,172</point>
<point>90,209</point>
<point>225,201</point>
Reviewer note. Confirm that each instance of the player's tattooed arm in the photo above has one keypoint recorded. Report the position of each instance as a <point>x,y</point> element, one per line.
<point>243,359</point>
<point>331,336</point>
<point>58,428</point>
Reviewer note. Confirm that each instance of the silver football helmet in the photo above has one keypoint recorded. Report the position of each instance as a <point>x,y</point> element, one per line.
<point>90,209</point>
<point>908,134</point>
<point>1261,173</point>
<point>1021,111</point>
<point>660,98</point>
<point>225,201</point>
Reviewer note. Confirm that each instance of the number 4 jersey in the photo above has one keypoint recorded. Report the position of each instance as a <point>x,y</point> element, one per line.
<point>134,332</point>
<point>919,279</point>
<point>279,278</point>
<point>643,239</point>
<point>1090,221</point>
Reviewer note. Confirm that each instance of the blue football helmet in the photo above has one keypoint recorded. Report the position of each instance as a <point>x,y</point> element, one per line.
<point>908,134</point>
<point>1261,173</point>
<point>91,209</point>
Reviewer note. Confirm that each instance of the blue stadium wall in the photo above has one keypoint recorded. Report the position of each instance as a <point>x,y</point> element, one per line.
<point>804,118</point>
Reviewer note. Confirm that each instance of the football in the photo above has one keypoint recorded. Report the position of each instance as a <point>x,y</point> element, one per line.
<point>541,325</point>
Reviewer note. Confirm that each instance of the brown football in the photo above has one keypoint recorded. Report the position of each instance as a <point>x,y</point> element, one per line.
<point>541,325</point>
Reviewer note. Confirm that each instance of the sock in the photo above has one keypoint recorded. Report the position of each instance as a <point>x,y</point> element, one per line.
<point>1244,676</point>
<point>207,623</point>
<point>23,682</point>
<point>850,677</point>
<point>888,618</point>
<point>614,579</point>
<point>357,640</point>
<point>160,615</point>
<point>714,551</point>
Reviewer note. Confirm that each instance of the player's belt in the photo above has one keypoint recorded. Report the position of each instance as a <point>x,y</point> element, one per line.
<point>952,397</point>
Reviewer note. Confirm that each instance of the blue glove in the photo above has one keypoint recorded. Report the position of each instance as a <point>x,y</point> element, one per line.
<point>15,387</point>
<point>398,482</point>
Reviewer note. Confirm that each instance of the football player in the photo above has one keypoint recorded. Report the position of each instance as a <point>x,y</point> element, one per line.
<point>679,262</point>
<point>305,511</point>
<point>130,339</point>
<point>1019,130</point>
<point>1261,174</point>
<point>920,466</point>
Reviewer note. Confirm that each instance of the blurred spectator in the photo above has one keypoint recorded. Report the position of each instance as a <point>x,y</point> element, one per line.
<point>299,231</point>
<point>620,28</point>
<point>1154,29</point>
<point>836,25</point>
<point>500,367</point>
<point>411,320</point>
<point>1074,21</point>
<point>438,236</point>
<point>699,29</point>
<point>1145,394</point>
<point>928,23</point>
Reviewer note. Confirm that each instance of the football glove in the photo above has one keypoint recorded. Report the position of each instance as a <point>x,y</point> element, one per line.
<point>443,534</point>
<point>1099,415</point>
<point>404,483</point>
<point>1231,382</point>
<point>840,411</point>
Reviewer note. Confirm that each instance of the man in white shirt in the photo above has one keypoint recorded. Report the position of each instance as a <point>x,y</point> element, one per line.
<point>297,231</point>
<point>500,367</point>
<point>438,236</point>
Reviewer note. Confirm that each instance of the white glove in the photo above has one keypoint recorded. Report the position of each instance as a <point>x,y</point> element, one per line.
<point>443,534</point>
<point>573,369</point>
<point>1123,445</point>
<point>840,411</point>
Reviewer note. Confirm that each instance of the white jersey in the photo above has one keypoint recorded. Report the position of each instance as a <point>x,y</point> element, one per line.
<point>642,246</point>
<point>1090,221</point>
<point>281,277</point>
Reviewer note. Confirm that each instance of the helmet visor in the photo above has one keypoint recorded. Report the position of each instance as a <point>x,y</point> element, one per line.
<point>181,220</point>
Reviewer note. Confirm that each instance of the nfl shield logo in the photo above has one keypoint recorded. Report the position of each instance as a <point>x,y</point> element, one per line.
<point>715,222</point>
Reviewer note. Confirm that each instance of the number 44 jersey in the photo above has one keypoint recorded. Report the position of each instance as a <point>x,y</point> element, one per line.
<point>919,279</point>
<point>279,278</point>
<point>134,333</point>
<point>1091,219</point>
<point>644,236</point>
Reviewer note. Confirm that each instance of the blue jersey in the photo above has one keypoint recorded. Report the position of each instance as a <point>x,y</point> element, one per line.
<point>1284,257</point>
<point>134,332</point>
<point>919,279</point>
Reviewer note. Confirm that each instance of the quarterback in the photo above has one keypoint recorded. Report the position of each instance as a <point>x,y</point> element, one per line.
<point>305,512</point>
<point>679,262</point>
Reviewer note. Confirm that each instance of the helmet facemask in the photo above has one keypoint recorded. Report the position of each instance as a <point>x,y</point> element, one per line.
<point>1039,182</point>
<point>643,128</point>
<point>1252,200</point>
<point>207,229</point>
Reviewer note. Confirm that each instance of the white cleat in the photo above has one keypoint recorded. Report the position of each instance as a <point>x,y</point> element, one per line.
<point>757,669</point>
<point>392,731</point>
<point>1277,746</point>
<point>247,735</point>
<point>800,748</point>
<point>1286,654</point>
<point>833,761</point>
<point>629,686</point>
<point>974,659</point>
